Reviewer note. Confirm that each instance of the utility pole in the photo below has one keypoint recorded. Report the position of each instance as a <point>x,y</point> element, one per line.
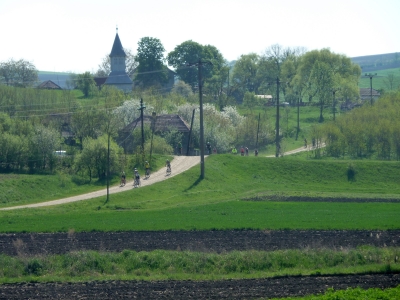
<point>298,116</point>
<point>199,65</point>
<point>141,108</point>
<point>258,129</point>
<point>190,133</point>
<point>277,142</point>
<point>334,102</point>
<point>370,75</point>
<point>153,124</point>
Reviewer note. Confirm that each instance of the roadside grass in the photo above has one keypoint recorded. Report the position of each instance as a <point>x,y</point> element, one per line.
<point>237,193</point>
<point>187,265</point>
<point>20,189</point>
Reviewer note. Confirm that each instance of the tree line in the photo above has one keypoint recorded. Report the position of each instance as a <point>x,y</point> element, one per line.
<point>365,132</point>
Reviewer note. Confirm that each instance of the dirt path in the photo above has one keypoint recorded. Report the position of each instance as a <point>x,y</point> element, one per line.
<point>178,165</point>
<point>294,151</point>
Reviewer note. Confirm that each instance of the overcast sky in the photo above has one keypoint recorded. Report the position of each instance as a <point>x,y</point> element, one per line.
<point>75,35</point>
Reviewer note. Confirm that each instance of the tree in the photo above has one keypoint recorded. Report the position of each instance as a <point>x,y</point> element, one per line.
<point>85,123</point>
<point>183,89</point>
<point>186,53</point>
<point>18,73</point>
<point>104,68</point>
<point>85,82</point>
<point>321,84</point>
<point>42,144</point>
<point>110,123</point>
<point>250,100</point>
<point>244,78</point>
<point>320,71</point>
<point>94,157</point>
<point>190,52</point>
<point>390,81</point>
<point>151,70</point>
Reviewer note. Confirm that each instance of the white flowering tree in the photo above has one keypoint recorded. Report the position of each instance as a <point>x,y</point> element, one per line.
<point>220,127</point>
<point>129,111</point>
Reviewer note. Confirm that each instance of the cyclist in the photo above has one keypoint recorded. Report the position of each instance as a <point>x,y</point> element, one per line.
<point>136,177</point>
<point>209,147</point>
<point>168,165</point>
<point>123,178</point>
<point>147,167</point>
<point>242,151</point>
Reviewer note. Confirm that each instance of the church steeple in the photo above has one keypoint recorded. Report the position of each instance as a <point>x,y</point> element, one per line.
<point>117,49</point>
<point>118,76</point>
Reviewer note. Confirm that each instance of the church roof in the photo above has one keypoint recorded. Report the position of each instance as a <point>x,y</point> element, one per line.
<point>162,123</point>
<point>118,78</point>
<point>49,85</point>
<point>117,49</point>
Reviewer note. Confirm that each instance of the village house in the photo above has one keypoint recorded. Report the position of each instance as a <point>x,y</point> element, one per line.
<point>158,124</point>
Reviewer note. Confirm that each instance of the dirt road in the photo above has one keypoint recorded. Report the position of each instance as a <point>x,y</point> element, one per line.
<point>178,165</point>
<point>301,149</point>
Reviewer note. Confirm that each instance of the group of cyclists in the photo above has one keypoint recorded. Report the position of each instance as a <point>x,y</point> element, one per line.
<point>136,175</point>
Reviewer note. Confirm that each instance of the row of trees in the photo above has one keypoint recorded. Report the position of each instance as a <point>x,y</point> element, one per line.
<point>320,76</point>
<point>314,76</point>
<point>369,131</point>
<point>18,73</point>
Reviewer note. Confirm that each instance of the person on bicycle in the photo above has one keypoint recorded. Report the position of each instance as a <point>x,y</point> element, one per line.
<point>147,167</point>
<point>123,178</point>
<point>168,165</point>
<point>136,176</point>
<point>209,148</point>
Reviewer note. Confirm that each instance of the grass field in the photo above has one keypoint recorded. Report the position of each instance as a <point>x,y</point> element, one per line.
<point>223,199</point>
<point>380,80</point>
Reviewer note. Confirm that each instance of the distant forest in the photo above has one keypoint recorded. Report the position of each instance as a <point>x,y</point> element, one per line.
<point>378,62</point>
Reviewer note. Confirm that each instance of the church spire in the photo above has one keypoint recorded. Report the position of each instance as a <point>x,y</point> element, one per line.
<point>117,49</point>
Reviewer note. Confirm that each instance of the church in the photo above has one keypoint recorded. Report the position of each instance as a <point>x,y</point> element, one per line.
<point>118,76</point>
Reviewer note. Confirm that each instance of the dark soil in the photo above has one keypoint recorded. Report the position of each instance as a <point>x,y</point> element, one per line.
<point>227,289</point>
<point>210,241</point>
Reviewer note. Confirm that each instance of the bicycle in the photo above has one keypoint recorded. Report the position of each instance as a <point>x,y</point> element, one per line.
<point>147,174</point>
<point>168,172</point>
<point>136,182</point>
<point>123,181</point>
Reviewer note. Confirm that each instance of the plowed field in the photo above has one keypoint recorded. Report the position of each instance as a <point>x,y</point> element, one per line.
<point>214,241</point>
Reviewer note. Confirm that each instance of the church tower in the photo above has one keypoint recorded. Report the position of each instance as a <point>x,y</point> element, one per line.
<point>118,76</point>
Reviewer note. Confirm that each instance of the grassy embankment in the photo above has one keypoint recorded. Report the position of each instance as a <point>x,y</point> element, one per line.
<point>185,202</point>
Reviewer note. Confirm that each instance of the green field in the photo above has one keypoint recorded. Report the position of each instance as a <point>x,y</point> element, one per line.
<point>380,80</point>
<point>237,193</point>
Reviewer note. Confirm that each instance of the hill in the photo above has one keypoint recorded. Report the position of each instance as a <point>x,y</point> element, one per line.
<point>57,77</point>
<point>378,61</point>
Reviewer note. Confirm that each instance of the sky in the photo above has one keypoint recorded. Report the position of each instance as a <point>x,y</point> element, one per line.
<point>75,35</point>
